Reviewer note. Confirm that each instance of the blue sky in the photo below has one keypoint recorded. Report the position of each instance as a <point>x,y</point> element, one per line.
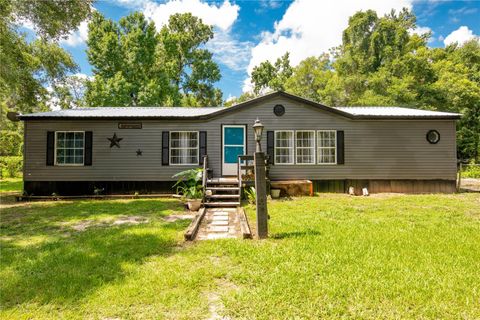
<point>248,32</point>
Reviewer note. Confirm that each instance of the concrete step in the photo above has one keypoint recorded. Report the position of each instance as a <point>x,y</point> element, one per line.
<point>223,188</point>
<point>223,181</point>
<point>223,196</point>
<point>221,204</point>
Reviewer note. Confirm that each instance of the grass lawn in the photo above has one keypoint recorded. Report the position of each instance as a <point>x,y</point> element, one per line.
<point>11,185</point>
<point>331,256</point>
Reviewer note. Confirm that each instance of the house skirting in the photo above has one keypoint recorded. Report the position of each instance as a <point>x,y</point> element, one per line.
<point>384,186</point>
<point>75,188</point>
<point>71,188</point>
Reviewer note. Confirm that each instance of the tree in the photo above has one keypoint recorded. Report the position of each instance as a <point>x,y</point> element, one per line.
<point>382,62</point>
<point>315,79</point>
<point>69,93</point>
<point>268,76</point>
<point>27,69</point>
<point>123,57</point>
<point>190,68</point>
<point>51,19</point>
<point>242,98</point>
<point>135,65</point>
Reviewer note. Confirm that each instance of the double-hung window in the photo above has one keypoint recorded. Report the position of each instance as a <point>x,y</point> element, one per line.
<point>284,147</point>
<point>69,147</point>
<point>305,147</point>
<point>184,147</point>
<point>326,146</point>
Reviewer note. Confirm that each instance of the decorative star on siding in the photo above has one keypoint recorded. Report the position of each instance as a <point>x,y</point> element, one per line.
<point>115,141</point>
<point>139,152</point>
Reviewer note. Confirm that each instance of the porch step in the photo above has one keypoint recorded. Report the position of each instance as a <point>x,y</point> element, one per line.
<point>222,188</point>
<point>223,196</point>
<point>222,182</point>
<point>222,204</point>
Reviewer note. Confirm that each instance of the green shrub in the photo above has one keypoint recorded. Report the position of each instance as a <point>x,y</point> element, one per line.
<point>189,183</point>
<point>471,170</point>
<point>11,166</point>
<point>251,195</point>
<point>10,143</point>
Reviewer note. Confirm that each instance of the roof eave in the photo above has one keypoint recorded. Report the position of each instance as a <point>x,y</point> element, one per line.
<point>255,101</point>
<point>371,117</point>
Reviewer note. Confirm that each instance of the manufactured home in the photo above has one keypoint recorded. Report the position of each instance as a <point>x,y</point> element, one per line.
<point>126,149</point>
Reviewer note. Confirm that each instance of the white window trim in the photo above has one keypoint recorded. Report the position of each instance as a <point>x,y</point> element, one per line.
<point>170,149</point>
<point>275,148</point>
<point>314,148</point>
<point>318,147</point>
<point>69,164</point>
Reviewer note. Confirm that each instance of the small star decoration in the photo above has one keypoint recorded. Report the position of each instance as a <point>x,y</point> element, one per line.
<point>139,152</point>
<point>115,141</point>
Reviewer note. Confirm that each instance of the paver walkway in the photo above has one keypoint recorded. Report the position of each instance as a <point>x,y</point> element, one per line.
<point>219,223</point>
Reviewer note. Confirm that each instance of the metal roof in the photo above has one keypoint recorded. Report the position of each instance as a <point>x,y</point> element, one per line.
<point>126,112</point>
<point>208,112</point>
<point>395,112</point>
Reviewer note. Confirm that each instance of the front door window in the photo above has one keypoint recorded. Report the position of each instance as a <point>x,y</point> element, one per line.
<point>233,146</point>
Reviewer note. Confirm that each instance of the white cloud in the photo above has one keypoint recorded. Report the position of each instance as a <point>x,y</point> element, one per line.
<point>230,98</point>
<point>77,37</point>
<point>229,51</point>
<point>25,23</point>
<point>221,16</point>
<point>421,30</point>
<point>461,35</point>
<point>82,76</point>
<point>309,28</point>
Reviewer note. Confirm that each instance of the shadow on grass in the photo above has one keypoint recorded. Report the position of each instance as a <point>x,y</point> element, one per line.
<point>71,267</point>
<point>65,271</point>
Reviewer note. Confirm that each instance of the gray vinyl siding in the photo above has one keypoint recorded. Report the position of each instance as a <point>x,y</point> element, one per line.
<point>374,149</point>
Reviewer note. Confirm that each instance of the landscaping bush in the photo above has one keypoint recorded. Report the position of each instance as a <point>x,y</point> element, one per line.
<point>471,170</point>
<point>11,166</point>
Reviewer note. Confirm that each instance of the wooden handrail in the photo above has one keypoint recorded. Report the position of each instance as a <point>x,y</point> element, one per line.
<point>245,157</point>
<point>239,172</point>
<point>204,176</point>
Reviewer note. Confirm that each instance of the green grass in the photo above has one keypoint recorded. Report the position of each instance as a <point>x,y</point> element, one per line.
<point>331,256</point>
<point>11,185</point>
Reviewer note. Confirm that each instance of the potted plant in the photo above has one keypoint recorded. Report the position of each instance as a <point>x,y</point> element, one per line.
<point>275,193</point>
<point>189,185</point>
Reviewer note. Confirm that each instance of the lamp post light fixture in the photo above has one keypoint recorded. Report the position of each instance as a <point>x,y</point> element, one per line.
<point>258,131</point>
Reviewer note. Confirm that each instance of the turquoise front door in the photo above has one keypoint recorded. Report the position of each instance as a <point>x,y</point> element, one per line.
<point>233,145</point>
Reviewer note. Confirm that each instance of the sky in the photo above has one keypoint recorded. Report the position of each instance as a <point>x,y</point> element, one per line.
<point>249,32</point>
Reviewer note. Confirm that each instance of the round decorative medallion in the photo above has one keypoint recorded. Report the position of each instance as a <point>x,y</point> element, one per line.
<point>433,136</point>
<point>279,110</point>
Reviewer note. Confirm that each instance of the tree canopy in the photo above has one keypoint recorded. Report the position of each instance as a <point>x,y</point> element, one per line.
<point>30,71</point>
<point>135,65</point>
<point>381,61</point>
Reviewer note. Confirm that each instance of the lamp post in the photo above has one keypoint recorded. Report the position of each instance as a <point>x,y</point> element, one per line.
<point>260,183</point>
<point>258,131</point>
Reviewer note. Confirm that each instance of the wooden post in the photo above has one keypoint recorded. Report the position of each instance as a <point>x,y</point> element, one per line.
<point>261,192</point>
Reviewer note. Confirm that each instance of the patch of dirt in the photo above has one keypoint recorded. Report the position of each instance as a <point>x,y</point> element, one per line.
<point>128,220</point>
<point>215,305</point>
<point>470,184</point>
<point>384,195</point>
<point>176,217</point>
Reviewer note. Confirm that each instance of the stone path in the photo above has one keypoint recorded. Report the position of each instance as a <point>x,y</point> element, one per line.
<point>219,223</point>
